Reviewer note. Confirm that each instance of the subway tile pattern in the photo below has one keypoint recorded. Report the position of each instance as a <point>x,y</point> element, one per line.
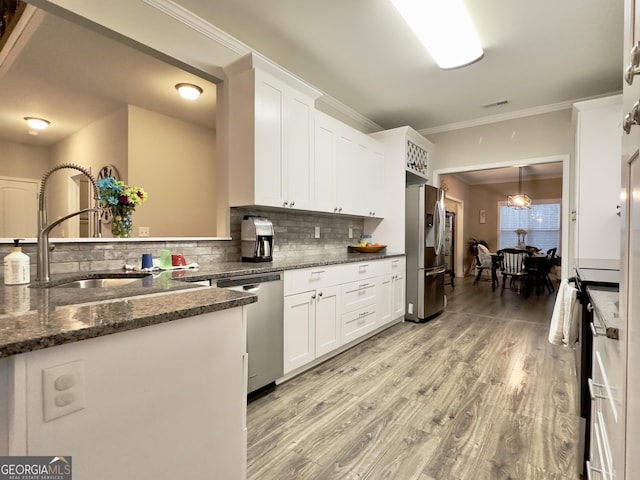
<point>294,234</point>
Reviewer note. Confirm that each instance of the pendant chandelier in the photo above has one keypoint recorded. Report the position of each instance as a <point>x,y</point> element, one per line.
<point>521,200</point>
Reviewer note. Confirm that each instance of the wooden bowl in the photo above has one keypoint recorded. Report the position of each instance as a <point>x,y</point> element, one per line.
<point>369,248</point>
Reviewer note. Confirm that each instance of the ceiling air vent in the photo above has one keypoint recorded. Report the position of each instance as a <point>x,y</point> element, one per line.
<point>496,104</point>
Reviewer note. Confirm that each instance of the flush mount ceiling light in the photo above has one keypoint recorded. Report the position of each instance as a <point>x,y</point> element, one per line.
<point>188,91</point>
<point>37,123</point>
<point>445,29</point>
<point>521,200</point>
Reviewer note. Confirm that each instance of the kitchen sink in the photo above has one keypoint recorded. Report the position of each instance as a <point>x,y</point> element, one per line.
<point>101,282</point>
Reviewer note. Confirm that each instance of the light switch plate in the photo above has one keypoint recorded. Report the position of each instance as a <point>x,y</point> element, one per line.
<point>63,390</point>
<point>317,232</point>
<point>350,232</point>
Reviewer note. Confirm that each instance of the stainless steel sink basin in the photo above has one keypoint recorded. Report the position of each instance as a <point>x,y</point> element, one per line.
<point>100,282</point>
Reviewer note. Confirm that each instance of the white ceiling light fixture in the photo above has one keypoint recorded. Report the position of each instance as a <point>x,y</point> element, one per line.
<point>445,29</point>
<point>37,123</point>
<point>188,91</point>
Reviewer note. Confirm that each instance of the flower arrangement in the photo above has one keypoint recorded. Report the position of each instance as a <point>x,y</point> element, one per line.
<point>522,233</point>
<point>121,200</point>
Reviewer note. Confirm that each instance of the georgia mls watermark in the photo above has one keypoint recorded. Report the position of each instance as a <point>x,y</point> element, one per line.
<point>35,468</point>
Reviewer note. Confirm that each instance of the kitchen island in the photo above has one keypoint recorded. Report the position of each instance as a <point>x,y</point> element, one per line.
<point>80,378</point>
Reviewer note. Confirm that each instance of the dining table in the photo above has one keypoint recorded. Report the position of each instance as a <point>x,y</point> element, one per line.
<point>536,266</point>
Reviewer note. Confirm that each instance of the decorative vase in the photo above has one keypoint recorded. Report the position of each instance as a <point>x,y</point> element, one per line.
<point>521,240</point>
<point>122,224</point>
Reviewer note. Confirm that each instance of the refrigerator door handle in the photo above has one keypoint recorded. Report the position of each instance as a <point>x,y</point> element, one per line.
<point>431,273</point>
<point>436,226</point>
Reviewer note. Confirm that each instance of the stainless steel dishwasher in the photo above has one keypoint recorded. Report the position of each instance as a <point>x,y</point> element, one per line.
<point>264,325</point>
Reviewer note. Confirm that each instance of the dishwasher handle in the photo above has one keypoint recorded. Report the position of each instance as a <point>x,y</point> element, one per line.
<point>251,282</point>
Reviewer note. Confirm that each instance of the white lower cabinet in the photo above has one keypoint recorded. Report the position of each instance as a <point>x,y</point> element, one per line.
<point>358,323</point>
<point>326,308</point>
<point>327,320</point>
<point>299,330</point>
<point>398,291</point>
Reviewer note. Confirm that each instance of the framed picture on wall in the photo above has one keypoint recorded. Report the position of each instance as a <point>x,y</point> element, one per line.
<point>483,216</point>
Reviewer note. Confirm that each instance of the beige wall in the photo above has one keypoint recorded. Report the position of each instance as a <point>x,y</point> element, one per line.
<point>548,136</point>
<point>174,162</point>
<point>523,138</point>
<point>23,161</point>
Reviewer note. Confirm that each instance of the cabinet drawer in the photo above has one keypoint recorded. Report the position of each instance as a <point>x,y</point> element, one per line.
<point>306,279</point>
<point>395,266</point>
<point>358,323</point>
<point>360,270</point>
<point>356,295</point>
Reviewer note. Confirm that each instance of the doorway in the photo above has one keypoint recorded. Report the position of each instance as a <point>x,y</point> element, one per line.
<point>564,163</point>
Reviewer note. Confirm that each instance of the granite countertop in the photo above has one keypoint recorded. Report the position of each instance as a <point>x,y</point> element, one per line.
<point>33,318</point>
<point>226,269</point>
<point>605,301</point>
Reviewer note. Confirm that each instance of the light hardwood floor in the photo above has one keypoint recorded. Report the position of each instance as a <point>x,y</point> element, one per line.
<point>476,393</point>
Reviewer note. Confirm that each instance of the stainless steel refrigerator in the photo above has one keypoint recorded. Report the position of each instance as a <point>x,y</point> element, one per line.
<point>425,249</point>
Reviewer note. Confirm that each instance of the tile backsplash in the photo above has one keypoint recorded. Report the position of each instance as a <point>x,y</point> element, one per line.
<point>294,234</point>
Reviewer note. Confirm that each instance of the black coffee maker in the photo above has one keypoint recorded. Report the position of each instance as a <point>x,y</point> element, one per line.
<point>256,239</point>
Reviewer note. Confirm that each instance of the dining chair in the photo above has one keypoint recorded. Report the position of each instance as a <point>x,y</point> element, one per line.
<point>548,265</point>
<point>483,263</point>
<point>512,266</point>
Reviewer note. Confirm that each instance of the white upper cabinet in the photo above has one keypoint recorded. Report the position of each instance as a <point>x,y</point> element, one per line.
<point>406,160</point>
<point>597,178</point>
<point>326,142</point>
<point>349,169</point>
<point>270,132</point>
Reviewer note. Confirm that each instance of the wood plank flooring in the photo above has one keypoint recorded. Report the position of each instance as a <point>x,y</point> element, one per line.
<point>476,393</point>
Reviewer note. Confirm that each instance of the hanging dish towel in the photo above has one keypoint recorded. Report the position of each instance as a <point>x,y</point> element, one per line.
<point>564,319</point>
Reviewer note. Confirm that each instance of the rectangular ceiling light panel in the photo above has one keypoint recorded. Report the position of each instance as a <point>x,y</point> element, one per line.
<point>445,29</point>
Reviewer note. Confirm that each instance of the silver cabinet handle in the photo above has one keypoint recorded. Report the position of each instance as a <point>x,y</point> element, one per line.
<point>632,69</point>
<point>589,307</point>
<point>631,118</point>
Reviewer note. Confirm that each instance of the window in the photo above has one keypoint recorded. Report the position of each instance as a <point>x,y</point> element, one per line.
<point>541,221</point>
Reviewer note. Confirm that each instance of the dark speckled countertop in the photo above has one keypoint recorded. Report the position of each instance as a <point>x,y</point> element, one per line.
<point>605,301</point>
<point>33,318</point>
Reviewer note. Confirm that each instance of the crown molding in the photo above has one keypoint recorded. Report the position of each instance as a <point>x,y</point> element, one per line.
<point>349,112</point>
<point>193,21</point>
<point>199,24</point>
<point>529,112</point>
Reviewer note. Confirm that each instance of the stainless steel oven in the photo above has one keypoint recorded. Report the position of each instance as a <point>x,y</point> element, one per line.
<point>586,277</point>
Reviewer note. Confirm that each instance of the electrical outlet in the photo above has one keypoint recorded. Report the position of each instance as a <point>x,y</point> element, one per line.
<point>63,390</point>
<point>350,232</point>
<point>143,231</point>
<point>317,232</point>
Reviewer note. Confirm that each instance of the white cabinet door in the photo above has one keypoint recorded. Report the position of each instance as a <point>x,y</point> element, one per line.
<point>271,129</point>
<point>384,302</point>
<point>298,157</point>
<point>270,171</point>
<point>598,136</point>
<point>327,320</point>
<point>326,140</point>
<point>398,295</point>
<point>347,173</point>
<point>299,330</point>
